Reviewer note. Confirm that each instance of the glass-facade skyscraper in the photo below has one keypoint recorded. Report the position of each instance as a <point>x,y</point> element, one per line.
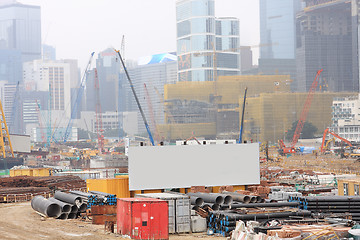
<point>278,28</point>
<point>20,29</point>
<point>206,47</point>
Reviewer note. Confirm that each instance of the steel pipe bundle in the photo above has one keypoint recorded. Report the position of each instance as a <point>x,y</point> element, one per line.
<point>329,204</point>
<point>68,197</point>
<point>254,205</point>
<point>65,207</point>
<point>46,207</point>
<point>223,222</point>
<point>210,198</point>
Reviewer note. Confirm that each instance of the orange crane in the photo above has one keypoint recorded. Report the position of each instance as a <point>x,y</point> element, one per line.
<point>152,114</point>
<point>326,132</point>
<point>98,114</point>
<point>303,116</point>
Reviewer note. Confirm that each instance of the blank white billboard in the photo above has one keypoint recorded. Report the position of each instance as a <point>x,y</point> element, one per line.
<point>20,143</point>
<point>164,167</point>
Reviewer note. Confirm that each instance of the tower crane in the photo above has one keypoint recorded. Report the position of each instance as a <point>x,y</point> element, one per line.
<point>38,108</point>
<point>98,114</point>
<point>136,99</point>
<point>5,142</point>
<point>78,98</point>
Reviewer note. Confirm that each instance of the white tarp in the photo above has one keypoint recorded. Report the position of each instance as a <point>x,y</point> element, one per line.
<point>164,167</point>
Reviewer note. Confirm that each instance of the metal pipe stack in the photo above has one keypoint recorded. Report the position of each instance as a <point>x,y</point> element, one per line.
<point>223,222</point>
<point>331,205</point>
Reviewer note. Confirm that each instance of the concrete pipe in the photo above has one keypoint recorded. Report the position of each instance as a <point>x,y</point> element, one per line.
<point>63,216</point>
<point>198,201</point>
<point>227,198</point>
<point>65,207</point>
<point>82,207</point>
<point>213,206</point>
<point>72,215</point>
<point>252,199</point>
<point>258,199</point>
<point>68,197</point>
<point>46,207</point>
<point>238,197</point>
<point>74,209</point>
<point>208,197</point>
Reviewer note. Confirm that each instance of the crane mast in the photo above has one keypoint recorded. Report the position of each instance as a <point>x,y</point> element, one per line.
<point>98,114</point>
<point>78,98</point>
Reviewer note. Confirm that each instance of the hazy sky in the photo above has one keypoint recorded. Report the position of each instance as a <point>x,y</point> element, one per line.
<point>78,27</point>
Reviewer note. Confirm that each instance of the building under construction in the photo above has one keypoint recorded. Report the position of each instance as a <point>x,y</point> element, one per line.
<point>213,109</point>
<point>327,38</point>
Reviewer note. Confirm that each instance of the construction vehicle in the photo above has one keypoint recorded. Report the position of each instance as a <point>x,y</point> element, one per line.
<point>326,132</point>
<point>299,127</point>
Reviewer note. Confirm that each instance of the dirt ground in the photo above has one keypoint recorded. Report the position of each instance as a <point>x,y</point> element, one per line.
<point>19,221</point>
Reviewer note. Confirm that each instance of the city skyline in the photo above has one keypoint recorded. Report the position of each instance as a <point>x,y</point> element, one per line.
<point>94,27</point>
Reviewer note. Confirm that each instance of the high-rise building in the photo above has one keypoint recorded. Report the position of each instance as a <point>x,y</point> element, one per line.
<point>20,29</point>
<point>10,66</point>
<point>206,47</point>
<point>53,77</point>
<point>326,41</point>
<point>278,36</point>
<point>48,52</point>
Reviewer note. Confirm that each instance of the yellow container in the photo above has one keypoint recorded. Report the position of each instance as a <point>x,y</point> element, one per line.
<point>118,186</point>
<point>41,172</point>
<point>35,172</point>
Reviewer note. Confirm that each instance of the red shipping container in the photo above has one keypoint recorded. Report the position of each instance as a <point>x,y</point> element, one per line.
<point>143,218</point>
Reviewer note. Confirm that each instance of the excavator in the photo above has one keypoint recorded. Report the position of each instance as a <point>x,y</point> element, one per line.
<point>324,147</point>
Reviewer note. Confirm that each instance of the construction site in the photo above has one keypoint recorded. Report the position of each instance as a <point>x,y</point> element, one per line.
<point>271,182</point>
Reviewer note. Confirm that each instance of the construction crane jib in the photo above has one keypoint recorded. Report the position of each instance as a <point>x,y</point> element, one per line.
<point>305,109</point>
<point>136,99</point>
<point>78,98</point>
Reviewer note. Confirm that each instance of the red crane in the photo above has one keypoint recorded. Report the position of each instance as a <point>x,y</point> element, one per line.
<point>98,114</point>
<point>302,118</point>
<point>305,109</point>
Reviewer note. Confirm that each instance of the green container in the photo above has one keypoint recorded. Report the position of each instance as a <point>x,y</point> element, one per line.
<point>120,174</point>
<point>4,172</point>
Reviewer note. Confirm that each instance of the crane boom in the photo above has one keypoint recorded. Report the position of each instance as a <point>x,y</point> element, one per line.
<point>242,118</point>
<point>336,136</point>
<point>305,109</point>
<point>78,98</point>
<point>136,99</point>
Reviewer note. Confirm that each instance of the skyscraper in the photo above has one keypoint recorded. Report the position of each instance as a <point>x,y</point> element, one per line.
<point>20,29</point>
<point>326,40</point>
<point>278,36</point>
<point>206,47</point>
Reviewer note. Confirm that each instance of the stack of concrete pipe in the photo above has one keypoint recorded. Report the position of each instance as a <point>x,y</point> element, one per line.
<point>61,206</point>
<point>209,201</point>
<point>241,198</point>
